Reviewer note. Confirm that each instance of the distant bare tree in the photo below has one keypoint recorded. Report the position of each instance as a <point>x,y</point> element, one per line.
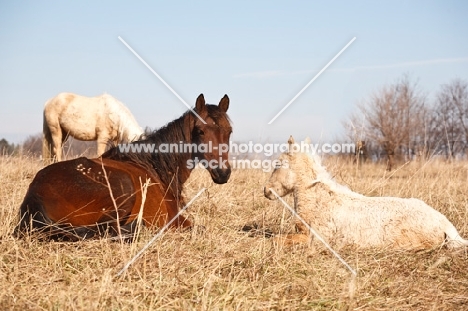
<point>32,146</point>
<point>360,153</point>
<point>6,148</point>
<point>429,142</point>
<point>394,117</point>
<point>451,115</point>
<point>72,148</point>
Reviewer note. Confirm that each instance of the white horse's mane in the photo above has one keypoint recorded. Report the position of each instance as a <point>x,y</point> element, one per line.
<point>323,176</point>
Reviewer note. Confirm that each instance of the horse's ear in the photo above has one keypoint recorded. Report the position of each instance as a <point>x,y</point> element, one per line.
<point>224,103</point>
<point>200,105</point>
<point>291,145</point>
<point>307,140</point>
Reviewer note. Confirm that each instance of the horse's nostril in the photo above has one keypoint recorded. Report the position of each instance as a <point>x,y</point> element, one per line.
<point>215,173</point>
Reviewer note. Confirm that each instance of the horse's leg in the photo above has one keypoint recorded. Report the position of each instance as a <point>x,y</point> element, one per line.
<point>53,136</point>
<point>47,143</point>
<point>156,217</point>
<point>101,144</point>
<point>160,208</point>
<point>126,233</point>
<point>57,138</point>
<point>69,233</point>
<point>182,222</point>
<point>291,239</point>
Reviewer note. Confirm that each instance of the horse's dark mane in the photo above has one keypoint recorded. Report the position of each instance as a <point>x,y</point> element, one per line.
<point>166,165</point>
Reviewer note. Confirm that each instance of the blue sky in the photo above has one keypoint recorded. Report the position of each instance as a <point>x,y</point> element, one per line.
<point>259,53</point>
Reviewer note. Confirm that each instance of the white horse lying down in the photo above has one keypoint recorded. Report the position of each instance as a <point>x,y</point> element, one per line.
<point>102,118</point>
<point>342,216</point>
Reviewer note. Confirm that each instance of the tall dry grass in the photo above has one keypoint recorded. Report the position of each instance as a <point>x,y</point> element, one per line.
<point>219,266</point>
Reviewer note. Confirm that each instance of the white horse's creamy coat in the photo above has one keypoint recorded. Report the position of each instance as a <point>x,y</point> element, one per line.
<point>345,217</point>
<point>102,118</point>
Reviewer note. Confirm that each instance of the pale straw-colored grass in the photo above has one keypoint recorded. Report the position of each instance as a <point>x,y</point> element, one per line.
<point>219,266</point>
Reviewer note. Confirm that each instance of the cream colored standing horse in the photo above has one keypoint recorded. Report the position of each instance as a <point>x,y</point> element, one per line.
<point>102,118</point>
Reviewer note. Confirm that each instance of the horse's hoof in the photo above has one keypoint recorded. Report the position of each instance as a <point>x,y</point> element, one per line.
<point>249,228</point>
<point>253,230</point>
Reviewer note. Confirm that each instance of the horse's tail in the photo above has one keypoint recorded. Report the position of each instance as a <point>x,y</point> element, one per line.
<point>454,239</point>
<point>46,142</point>
<point>32,216</point>
<point>458,242</point>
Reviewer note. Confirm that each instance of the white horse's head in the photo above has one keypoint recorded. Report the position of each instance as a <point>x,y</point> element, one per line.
<point>128,128</point>
<point>295,166</point>
<point>284,178</point>
<point>132,132</point>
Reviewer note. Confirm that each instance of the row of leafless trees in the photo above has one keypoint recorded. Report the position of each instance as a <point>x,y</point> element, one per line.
<point>399,122</point>
<point>32,146</point>
<point>6,148</point>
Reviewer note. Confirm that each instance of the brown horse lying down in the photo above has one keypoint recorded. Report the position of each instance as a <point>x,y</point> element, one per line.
<point>79,199</point>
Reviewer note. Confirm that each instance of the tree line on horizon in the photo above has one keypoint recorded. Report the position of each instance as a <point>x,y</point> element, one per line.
<point>399,123</point>
<point>32,147</point>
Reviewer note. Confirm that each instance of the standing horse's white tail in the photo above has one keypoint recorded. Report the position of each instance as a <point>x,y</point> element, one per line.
<point>46,143</point>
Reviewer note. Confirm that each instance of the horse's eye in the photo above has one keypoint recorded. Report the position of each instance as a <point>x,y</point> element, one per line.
<point>200,132</point>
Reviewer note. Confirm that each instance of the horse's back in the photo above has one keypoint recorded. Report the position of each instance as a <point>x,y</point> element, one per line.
<point>76,115</point>
<point>88,118</point>
<point>55,106</point>
<point>400,223</point>
<point>59,102</point>
<point>76,193</point>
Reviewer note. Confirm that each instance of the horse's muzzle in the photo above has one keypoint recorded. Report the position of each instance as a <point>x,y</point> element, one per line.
<point>268,193</point>
<point>220,176</point>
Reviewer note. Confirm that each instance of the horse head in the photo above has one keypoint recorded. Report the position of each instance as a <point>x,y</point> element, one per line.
<point>283,178</point>
<point>211,133</point>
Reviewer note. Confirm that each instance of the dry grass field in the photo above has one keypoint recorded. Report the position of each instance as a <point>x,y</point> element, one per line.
<point>219,266</point>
